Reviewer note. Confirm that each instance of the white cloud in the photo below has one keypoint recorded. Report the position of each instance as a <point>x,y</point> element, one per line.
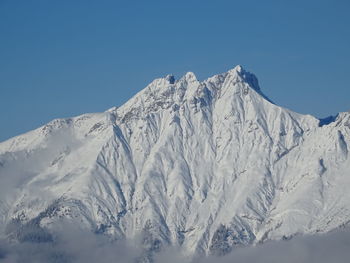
<point>75,245</point>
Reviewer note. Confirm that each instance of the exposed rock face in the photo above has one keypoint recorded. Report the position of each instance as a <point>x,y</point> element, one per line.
<point>204,165</point>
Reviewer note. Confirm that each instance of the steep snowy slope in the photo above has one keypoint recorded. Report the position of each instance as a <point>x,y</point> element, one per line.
<point>204,165</point>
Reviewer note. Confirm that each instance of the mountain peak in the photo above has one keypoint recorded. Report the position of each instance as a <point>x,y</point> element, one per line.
<point>246,76</point>
<point>190,76</point>
<point>166,91</point>
<point>236,69</point>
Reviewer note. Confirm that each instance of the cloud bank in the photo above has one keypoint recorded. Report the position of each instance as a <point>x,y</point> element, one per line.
<point>73,245</point>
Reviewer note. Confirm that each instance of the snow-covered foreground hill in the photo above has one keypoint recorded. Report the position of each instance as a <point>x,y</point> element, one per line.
<point>205,166</point>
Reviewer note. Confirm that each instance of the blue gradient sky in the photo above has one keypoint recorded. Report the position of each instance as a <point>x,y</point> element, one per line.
<point>63,58</point>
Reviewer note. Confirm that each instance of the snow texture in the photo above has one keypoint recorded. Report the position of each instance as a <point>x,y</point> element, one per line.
<point>206,166</point>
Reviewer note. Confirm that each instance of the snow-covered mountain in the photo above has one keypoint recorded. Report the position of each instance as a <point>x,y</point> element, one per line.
<point>205,166</point>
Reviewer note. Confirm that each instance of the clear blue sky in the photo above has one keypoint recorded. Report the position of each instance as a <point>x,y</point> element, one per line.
<point>63,58</point>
